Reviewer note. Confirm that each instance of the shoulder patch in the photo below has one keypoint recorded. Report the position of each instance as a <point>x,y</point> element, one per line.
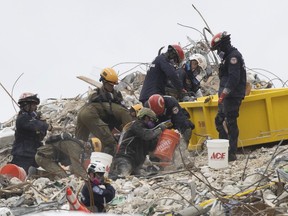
<point>233,60</point>
<point>97,190</point>
<point>175,110</point>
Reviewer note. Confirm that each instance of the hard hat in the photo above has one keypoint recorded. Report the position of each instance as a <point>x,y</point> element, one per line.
<point>96,167</point>
<point>179,52</point>
<point>200,59</point>
<point>96,144</point>
<point>157,104</point>
<point>28,97</point>
<point>219,39</point>
<point>109,75</point>
<point>137,107</point>
<point>146,112</point>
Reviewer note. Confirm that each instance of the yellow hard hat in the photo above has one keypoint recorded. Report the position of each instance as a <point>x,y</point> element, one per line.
<point>96,144</point>
<point>109,75</point>
<point>137,107</point>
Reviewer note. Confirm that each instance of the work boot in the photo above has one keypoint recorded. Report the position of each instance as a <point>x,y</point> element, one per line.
<point>153,169</point>
<point>32,172</point>
<point>232,157</point>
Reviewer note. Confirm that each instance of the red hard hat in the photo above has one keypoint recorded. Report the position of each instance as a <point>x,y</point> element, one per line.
<point>218,39</point>
<point>157,104</point>
<point>28,97</point>
<point>179,51</point>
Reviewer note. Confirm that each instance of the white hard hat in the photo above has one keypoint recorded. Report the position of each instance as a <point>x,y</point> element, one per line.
<point>96,167</point>
<point>200,59</point>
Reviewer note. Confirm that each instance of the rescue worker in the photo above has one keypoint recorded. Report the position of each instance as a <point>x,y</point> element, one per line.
<point>68,151</point>
<point>171,90</point>
<point>97,186</point>
<point>103,112</point>
<point>138,140</point>
<point>195,73</point>
<point>30,131</point>
<point>168,108</point>
<point>134,110</point>
<point>163,67</point>
<point>232,75</point>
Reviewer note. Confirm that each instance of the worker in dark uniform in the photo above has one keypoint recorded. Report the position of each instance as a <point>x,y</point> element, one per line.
<point>171,90</point>
<point>138,140</point>
<point>104,111</point>
<point>232,74</point>
<point>97,191</point>
<point>162,68</point>
<point>30,131</point>
<point>68,151</point>
<point>168,108</point>
<point>195,73</point>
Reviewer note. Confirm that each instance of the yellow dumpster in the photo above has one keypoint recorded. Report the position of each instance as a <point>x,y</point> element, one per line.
<point>263,118</point>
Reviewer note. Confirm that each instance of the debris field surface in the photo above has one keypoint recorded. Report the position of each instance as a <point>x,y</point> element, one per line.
<point>254,184</point>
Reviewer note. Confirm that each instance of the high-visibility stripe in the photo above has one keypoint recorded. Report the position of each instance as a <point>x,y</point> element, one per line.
<point>73,201</point>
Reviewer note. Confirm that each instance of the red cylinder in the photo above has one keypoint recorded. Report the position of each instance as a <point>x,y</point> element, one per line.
<point>12,170</point>
<point>166,145</point>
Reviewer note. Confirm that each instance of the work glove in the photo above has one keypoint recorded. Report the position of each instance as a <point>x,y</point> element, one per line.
<point>208,99</point>
<point>188,124</point>
<point>50,127</point>
<point>40,116</point>
<point>223,94</point>
<point>66,135</point>
<point>165,125</point>
<point>221,98</point>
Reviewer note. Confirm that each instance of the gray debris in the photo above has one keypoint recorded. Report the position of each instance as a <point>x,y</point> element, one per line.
<point>187,186</point>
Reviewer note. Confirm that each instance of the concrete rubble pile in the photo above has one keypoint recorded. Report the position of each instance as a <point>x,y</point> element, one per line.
<point>254,184</point>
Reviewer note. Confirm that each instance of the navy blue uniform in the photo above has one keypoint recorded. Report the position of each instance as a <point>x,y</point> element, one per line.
<point>100,196</point>
<point>232,76</point>
<point>156,78</point>
<point>30,131</point>
<point>174,112</point>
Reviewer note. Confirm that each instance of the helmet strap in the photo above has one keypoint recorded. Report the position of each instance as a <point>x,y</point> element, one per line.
<point>108,86</point>
<point>101,79</point>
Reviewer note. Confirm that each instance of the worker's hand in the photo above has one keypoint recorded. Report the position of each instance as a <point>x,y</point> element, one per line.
<point>221,98</point>
<point>184,91</point>
<point>50,127</point>
<point>165,125</point>
<point>41,117</point>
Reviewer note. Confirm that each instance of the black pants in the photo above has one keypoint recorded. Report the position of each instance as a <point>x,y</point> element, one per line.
<point>228,111</point>
<point>24,162</point>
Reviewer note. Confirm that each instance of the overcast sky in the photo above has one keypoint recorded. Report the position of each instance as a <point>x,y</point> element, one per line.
<point>54,41</point>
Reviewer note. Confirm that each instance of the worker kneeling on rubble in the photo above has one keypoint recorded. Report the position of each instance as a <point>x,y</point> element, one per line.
<point>168,108</point>
<point>65,150</point>
<point>104,111</point>
<point>138,140</point>
<point>97,186</point>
